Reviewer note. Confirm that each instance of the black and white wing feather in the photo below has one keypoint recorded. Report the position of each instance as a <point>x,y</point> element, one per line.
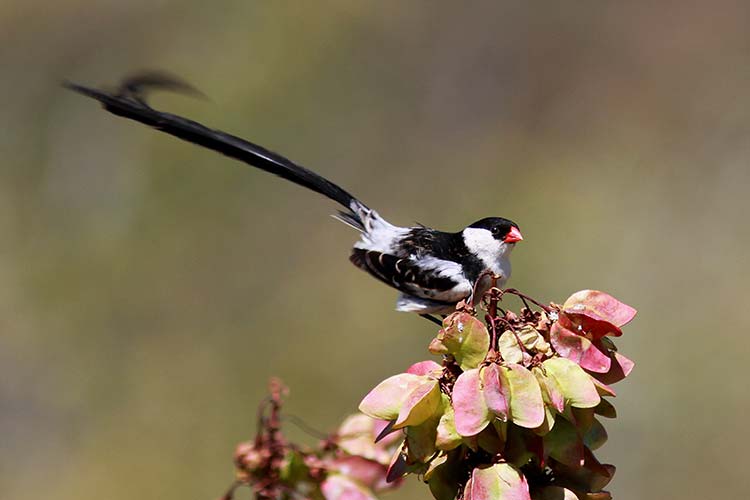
<point>427,278</point>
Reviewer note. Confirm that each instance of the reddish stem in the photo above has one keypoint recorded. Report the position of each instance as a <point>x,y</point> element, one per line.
<point>493,295</point>
<point>524,297</point>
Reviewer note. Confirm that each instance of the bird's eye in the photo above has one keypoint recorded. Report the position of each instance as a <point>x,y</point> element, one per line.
<point>496,230</point>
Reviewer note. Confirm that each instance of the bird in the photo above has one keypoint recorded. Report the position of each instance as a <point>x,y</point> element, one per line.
<point>432,270</point>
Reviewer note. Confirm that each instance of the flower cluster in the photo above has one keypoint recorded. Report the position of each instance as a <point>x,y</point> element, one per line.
<point>513,410</point>
<point>347,465</point>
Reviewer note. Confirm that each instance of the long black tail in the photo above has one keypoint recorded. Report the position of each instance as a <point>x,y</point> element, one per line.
<point>128,102</point>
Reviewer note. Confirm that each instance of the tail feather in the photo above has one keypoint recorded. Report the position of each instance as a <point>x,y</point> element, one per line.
<point>128,102</point>
<point>350,220</point>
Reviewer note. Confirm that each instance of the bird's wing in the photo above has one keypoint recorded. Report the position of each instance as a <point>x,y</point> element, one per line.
<point>430,278</point>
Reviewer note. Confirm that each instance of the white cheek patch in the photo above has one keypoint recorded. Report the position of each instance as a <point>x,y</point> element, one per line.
<point>481,243</point>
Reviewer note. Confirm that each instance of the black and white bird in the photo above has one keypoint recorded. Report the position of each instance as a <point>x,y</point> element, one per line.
<point>433,270</point>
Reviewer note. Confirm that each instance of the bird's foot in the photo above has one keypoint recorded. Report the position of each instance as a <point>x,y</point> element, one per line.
<point>431,319</point>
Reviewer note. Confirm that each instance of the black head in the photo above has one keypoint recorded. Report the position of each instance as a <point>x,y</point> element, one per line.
<point>501,229</point>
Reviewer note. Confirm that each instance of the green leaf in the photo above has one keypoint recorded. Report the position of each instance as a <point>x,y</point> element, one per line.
<point>436,345</point>
<point>501,428</point>
<point>564,444</point>
<point>523,394</point>
<point>386,399</point>
<point>549,420</point>
<point>420,404</point>
<point>464,337</point>
<point>602,388</point>
<point>421,440</point>
<point>365,472</point>
<point>356,436</point>
<point>555,493</point>
<point>578,348</point>
<point>606,409</point>
<point>401,465</point>
<point>514,352</point>
<point>508,347</point>
<point>428,367</point>
<point>554,401</point>
<point>493,394</point>
<point>498,482</point>
<point>295,470</point>
<point>575,384</point>
<point>593,476</point>
<point>599,306</point>
<point>447,437</point>
<point>620,368</point>
<point>552,393</point>
<point>596,436</point>
<point>582,418</point>
<point>471,412</point>
<point>340,487</point>
<point>518,445</point>
<point>443,477</point>
<point>490,441</point>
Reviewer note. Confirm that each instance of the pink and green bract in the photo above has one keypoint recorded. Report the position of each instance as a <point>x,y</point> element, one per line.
<point>514,410</point>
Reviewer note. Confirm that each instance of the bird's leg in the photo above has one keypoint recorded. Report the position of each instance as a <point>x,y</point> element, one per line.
<point>432,319</point>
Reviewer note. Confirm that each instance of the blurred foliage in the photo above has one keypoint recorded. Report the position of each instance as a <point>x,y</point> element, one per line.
<point>349,463</point>
<point>148,289</point>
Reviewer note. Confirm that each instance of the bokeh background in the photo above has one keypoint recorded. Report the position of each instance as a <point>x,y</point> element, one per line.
<point>149,289</point>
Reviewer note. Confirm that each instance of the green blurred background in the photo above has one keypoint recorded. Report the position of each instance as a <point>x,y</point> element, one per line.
<point>149,289</point>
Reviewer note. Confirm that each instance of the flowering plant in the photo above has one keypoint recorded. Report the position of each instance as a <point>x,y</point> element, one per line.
<point>512,412</point>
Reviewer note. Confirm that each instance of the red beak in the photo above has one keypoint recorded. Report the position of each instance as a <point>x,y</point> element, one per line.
<point>513,236</point>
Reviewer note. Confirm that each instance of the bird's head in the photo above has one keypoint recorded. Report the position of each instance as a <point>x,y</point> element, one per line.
<point>492,237</point>
<point>500,229</point>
